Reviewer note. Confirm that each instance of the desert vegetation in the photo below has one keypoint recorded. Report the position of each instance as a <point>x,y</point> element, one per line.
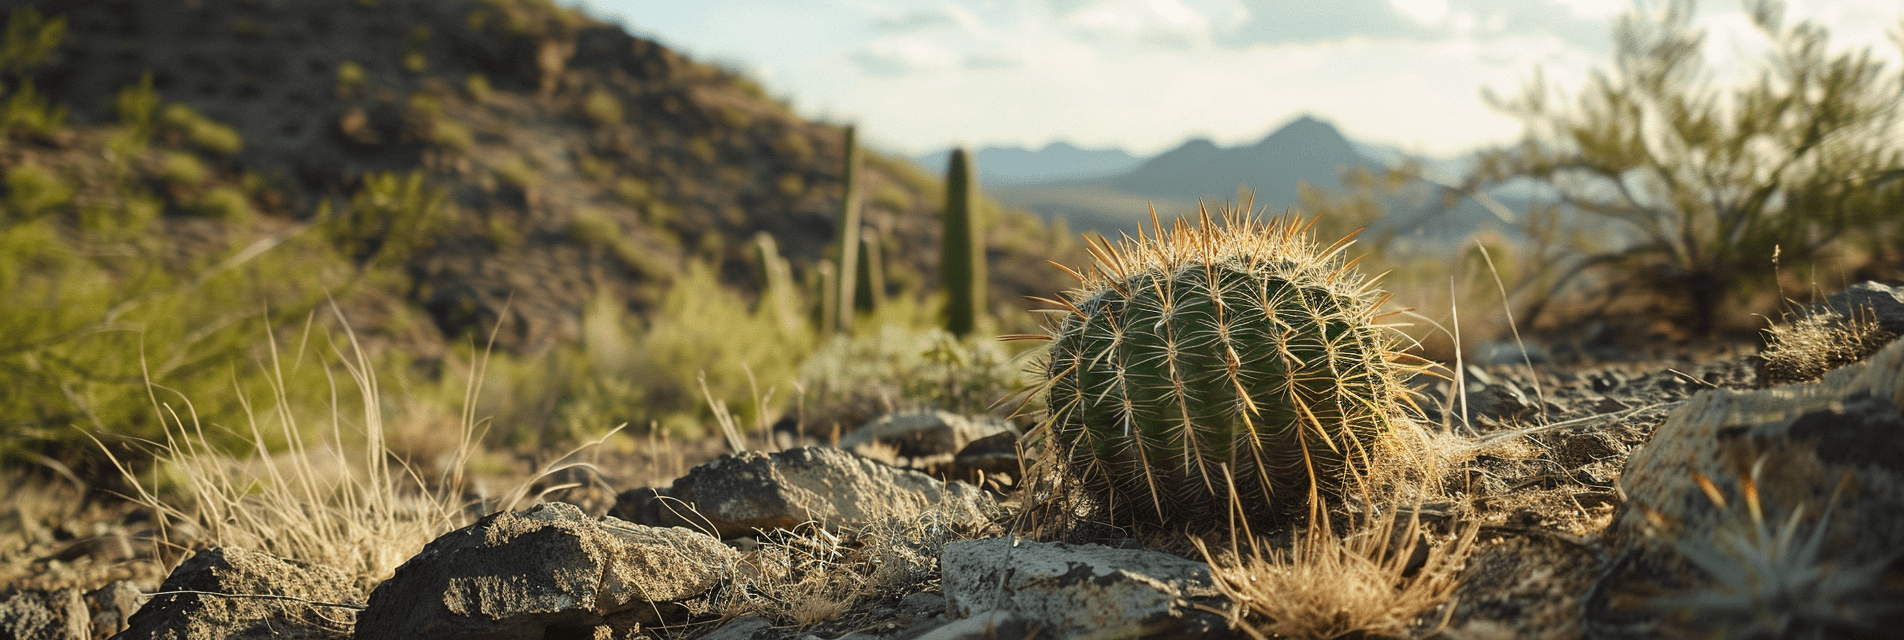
<point>509,255</point>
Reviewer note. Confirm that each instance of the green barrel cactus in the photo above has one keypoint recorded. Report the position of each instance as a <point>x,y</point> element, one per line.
<point>1218,367</point>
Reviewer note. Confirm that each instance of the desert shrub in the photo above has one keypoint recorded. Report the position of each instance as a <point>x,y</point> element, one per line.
<point>651,374</point>
<point>633,192</point>
<point>1805,347</point>
<point>477,86</point>
<point>415,62</point>
<point>892,366</point>
<point>200,131</point>
<point>350,76</point>
<point>602,108</point>
<point>1702,184</point>
<point>390,218</point>
<point>517,172</point>
<point>30,39</point>
<point>183,168</point>
<point>225,203</point>
<point>34,191</point>
<point>135,105</point>
<point>451,134</point>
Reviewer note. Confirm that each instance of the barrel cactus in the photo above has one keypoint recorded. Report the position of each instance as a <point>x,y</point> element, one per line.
<point>1217,368</point>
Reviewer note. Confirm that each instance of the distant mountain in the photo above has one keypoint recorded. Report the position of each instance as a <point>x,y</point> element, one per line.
<point>1306,149</point>
<point>1056,162</point>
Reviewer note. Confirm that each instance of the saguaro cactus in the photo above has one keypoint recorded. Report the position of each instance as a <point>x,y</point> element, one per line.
<point>849,236</point>
<point>1220,364</point>
<point>962,262</point>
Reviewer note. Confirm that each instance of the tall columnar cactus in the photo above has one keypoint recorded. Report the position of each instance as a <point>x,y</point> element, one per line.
<point>962,262</point>
<point>1218,364</point>
<point>849,236</point>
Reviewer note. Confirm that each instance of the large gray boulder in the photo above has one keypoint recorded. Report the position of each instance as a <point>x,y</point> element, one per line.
<point>737,494</point>
<point>1078,590</point>
<point>549,571</point>
<point>300,601</point>
<point>1835,446</point>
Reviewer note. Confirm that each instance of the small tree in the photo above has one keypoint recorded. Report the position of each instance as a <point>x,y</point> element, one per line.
<point>1705,185</point>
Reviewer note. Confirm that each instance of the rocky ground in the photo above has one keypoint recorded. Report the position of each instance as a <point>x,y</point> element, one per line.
<point>1610,495</point>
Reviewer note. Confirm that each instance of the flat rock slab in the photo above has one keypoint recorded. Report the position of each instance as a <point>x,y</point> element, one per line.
<point>549,571</point>
<point>186,607</point>
<point>1078,590</point>
<point>1835,444</point>
<point>737,494</point>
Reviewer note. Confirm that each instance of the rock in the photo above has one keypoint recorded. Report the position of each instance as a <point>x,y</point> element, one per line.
<point>549,571</point>
<point>37,614</point>
<point>1074,590</point>
<point>112,607</point>
<point>1801,442</point>
<point>994,457</point>
<point>736,494</point>
<point>1492,398</point>
<point>1868,300</point>
<point>742,628</point>
<point>918,434</point>
<point>293,612</point>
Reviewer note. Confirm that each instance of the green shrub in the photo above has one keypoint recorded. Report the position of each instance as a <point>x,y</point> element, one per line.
<point>135,105</point>
<point>893,366</point>
<point>390,218</point>
<point>477,85</point>
<point>179,167</point>
<point>34,191</point>
<point>225,203</point>
<point>602,108</point>
<point>200,131</point>
<point>451,134</point>
<point>350,76</point>
<point>30,40</point>
<point>517,172</point>
<point>633,192</point>
<point>415,62</point>
<point>27,110</point>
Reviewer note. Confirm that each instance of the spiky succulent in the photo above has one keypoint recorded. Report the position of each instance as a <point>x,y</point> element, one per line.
<point>1767,582</point>
<point>1222,363</point>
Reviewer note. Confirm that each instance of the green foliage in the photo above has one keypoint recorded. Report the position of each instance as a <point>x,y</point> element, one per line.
<point>962,261</point>
<point>27,110</point>
<point>849,244</point>
<point>1219,367</point>
<point>516,172</point>
<point>598,230</point>
<point>602,108</point>
<point>633,192</point>
<point>224,203</point>
<point>136,105</point>
<point>1802,161</point>
<point>33,191</point>
<point>890,366</point>
<point>182,168</point>
<point>389,219</point>
<point>415,62</point>
<point>451,134</point>
<point>200,131</point>
<point>477,85</point>
<point>30,39</point>
<point>350,76</point>
<point>624,372</point>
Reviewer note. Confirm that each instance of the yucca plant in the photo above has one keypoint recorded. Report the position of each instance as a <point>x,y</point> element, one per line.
<point>1224,367</point>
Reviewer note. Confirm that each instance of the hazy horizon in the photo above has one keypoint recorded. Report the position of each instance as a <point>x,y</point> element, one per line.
<point>1146,75</point>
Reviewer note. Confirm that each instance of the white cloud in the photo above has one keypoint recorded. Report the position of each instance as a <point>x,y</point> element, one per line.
<point>1427,12</point>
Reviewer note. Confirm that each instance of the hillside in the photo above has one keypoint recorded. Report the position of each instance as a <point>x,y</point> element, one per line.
<point>576,158</point>
<point>187,181</point>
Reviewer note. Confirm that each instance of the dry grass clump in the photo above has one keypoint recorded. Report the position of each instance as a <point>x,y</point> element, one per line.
<point>1379,580</point>
<point>1804,349</point>
<point>808,576</point>
<point>337,502</point>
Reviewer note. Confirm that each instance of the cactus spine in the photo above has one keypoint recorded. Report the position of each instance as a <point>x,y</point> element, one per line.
<point>1220,364</point>
<point>962,263</point>
<point>849,237</point>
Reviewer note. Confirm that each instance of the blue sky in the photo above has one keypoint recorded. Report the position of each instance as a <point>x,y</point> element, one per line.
<point>920,75</point>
